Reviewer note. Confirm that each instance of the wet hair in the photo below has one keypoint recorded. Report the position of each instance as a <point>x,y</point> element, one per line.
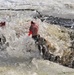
<point>32,22</point>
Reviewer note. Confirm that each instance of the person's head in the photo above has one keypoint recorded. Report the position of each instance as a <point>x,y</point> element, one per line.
<point>32,23</point>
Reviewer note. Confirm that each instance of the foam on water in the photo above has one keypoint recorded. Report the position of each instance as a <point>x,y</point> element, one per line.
<point>20,44</point>
<point>51,7</point>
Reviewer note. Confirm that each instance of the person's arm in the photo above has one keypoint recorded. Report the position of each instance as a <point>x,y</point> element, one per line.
<point>30,31</point>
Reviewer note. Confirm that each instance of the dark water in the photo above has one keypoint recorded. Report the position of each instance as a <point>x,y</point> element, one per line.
<point>55,20</point>
<point>60,21</point>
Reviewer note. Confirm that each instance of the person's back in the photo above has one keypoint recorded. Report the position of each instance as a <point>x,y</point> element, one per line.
<point>33,30</point>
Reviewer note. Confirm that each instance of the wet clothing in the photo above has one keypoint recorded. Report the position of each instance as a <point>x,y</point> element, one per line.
<point>33,30</point>
<point>36,37</point>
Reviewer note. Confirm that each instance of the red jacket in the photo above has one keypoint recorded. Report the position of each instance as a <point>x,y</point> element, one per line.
<point>33,30</point>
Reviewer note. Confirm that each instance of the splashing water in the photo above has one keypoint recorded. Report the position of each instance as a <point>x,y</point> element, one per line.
<point>22,49</point>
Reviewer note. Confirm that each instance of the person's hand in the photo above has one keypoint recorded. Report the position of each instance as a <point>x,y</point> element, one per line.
<point>29,33</point>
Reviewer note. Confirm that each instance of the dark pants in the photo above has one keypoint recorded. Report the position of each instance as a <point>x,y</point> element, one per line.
<point>36,37</point>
